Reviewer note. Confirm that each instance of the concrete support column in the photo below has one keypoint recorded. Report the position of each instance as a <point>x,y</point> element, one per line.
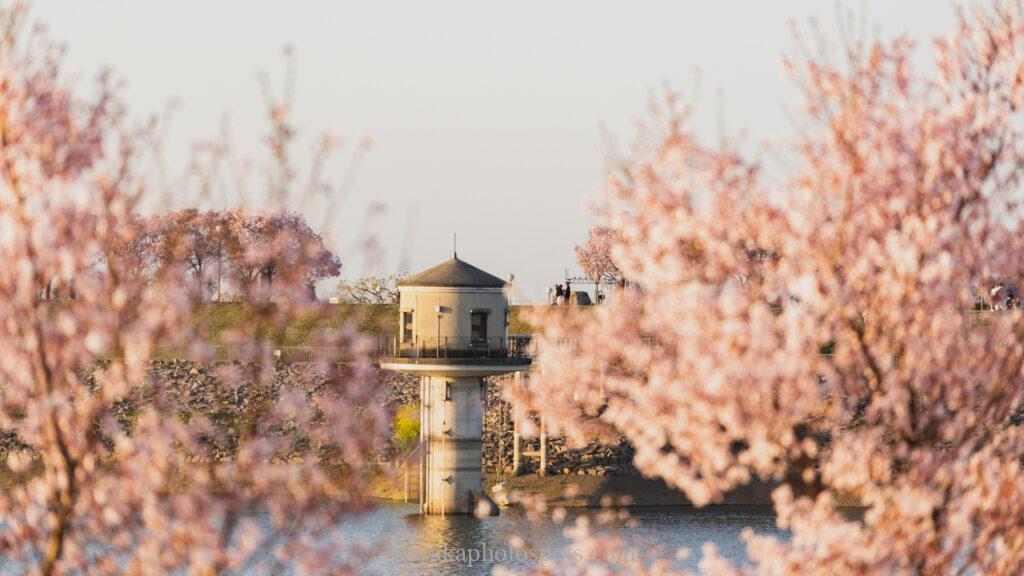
<point>452,428</point>
<point>543,448</point>
<point>517,446</point>
<point>424,448</point>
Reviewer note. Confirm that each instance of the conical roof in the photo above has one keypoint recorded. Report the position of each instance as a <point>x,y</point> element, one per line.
<point>454,274</point>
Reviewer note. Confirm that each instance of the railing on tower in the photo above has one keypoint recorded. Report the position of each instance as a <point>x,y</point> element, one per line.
<point>515,346</point>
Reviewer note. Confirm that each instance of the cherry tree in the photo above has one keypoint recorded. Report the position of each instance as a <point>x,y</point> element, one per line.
<point>298,252</point>
<point>194,240</point>
<point>244,254</point>
<point>139,249</point>
<point>905,193</point>
<point>595,258</point>
<point>111,478</point>
<point>262,248</point>
<point>323,264</point>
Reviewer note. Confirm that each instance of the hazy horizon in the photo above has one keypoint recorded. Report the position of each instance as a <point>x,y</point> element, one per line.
<point>486,119</point>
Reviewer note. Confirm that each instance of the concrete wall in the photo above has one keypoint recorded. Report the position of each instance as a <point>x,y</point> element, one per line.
<point>456,304</point>
<point>451,432</point>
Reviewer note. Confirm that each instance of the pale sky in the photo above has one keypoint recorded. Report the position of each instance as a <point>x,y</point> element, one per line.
<point>486,117</point>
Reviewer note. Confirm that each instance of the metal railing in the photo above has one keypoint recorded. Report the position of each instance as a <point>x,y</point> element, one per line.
<point>894,359</point>
<point>455,347</point>
<point>986,317</point>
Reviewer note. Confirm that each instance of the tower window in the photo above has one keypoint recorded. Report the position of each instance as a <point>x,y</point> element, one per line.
<point>406,327</point>
<point>478,326</point>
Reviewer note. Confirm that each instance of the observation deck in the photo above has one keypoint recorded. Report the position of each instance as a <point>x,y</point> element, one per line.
<point>456,356</point>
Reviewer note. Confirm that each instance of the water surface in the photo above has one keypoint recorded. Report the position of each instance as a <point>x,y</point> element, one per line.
<point>466,545</point>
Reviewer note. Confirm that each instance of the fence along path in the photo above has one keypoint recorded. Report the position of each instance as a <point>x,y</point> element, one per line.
<point>291,354</point>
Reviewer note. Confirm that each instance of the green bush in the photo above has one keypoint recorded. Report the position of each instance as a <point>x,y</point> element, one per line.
<point>407,428</point>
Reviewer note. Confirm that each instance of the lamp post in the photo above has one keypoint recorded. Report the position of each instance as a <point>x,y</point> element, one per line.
<point>511,279</point>
<point>437,345</point>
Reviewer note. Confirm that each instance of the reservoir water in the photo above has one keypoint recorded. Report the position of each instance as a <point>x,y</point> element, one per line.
<point>458,545</point>
<point>394,539</point>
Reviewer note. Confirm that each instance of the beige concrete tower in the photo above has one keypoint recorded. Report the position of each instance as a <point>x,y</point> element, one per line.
<point>452,333</point>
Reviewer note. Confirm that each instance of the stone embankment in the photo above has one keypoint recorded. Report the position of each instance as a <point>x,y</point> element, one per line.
<point>199,388</point>
<point>595,459</point>
<point>592,460</point>
<point>590,476</point>
<point>202,388</point>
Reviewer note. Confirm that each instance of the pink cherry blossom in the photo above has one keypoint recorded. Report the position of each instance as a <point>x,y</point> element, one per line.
<point>905,194</point>
<point>117,474</point>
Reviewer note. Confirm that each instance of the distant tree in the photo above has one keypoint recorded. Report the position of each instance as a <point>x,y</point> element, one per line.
<point>262,248</point>
<point>372,289</point>
<point>191,241</point>
<point>244,250</point>
<point>595,258</point>
<point>299,253</point>
<point>136,252</point>
<point>323,264</point>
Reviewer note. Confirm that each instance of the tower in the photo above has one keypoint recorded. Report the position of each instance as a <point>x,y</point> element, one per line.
<point>452,333</point>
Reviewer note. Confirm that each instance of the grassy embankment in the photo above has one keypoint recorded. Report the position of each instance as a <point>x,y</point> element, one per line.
<point>213,320</point>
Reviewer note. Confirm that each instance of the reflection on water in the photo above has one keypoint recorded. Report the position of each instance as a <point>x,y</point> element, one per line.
<point>417,544</point>
<point>405,543</point>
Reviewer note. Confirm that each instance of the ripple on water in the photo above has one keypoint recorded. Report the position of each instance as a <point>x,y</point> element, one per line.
<point>466,545</point>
